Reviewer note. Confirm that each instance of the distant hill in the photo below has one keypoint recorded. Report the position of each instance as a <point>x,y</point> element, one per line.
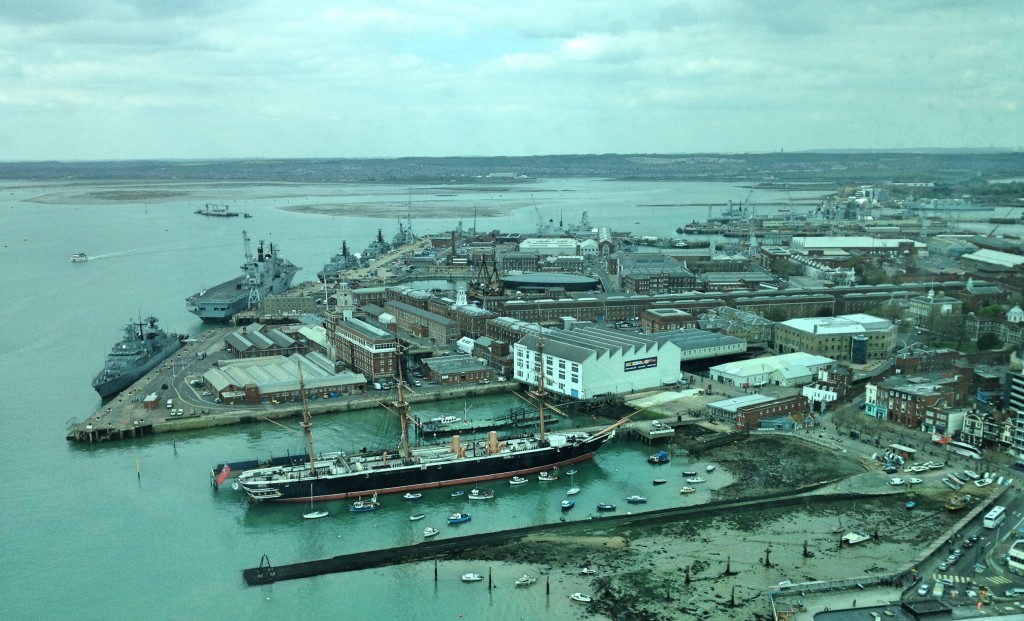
<point>829,166</point>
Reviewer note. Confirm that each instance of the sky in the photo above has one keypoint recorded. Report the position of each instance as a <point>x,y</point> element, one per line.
<point>133,79</point>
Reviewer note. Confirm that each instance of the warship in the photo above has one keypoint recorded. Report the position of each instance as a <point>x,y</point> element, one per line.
<point>143,347</point>
<point>339,264</point>
<point>262,275</point>
<point>338,475</point>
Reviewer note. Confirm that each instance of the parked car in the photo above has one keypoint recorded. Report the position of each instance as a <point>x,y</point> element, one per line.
<point>944,565</point>
<point>1014,592</point>
<point>923,590</point>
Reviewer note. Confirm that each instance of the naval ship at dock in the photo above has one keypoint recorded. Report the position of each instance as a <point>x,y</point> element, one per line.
<point>143,347</point>
<point>262,275</point>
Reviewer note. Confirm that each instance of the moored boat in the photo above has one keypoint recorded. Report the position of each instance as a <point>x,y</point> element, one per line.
<point>853,537</point>
<point>417,516</point>
<point>430,531</point>
<point>687,490</point>
<point>660,481</point>
<point>661,457</point>
<point>457,493</point>
<point>711,468</point>
<point>361,505</point>
<point>517,480</point>
<point>526,580</point>
<point>340,475</point>
<point>141,349</point>
<point>689,473</point>
<point>264,274</point>
<point>696,480</point>
<point>910,505</point>
<point>604,506</point>
<point>472,577</point>
<point>412,495</point>
<point>481,494</point>
<point>572,491</point>
<point>636,500</point>
<point>459,518</point>
<point>580,597</point>
<point>547,476</point>
<point>568,504</point>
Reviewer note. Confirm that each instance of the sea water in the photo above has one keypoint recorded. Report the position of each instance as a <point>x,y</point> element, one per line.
<point>134,529</point>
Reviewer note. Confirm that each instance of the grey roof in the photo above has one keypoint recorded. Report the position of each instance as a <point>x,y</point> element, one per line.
<point>689,339</point>
<point>457,363</point>
<point>584,341</point>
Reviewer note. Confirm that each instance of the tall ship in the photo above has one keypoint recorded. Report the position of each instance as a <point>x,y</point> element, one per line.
<point>264,274</point>
<point>331,476</point>
<point>143,346</point>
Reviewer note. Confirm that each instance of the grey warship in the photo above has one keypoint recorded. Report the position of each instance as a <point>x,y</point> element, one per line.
<point>262,275</point>
<point>143,346</point>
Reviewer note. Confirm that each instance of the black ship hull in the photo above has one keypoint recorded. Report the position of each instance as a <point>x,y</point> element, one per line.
<point>399,478</point>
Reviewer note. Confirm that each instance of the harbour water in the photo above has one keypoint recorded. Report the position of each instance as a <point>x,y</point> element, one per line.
<point>134,530</point>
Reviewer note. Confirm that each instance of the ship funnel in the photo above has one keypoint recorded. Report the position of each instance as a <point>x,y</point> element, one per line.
<point>492,442</point>
<point>456,446</point>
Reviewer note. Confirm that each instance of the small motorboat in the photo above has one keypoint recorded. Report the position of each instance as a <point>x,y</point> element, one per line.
<point>412,495</point>
<point>687,490</point>
<point>661,457</point>
<point>518,480</point>
<point>689,473</point>
<point>910,505</point>
<point>526,580</point>
<point>711,468</point>
<point>568,504</point>
<point>430,531</point>
<point>472,577</point>
<point>660,481</point>
<point>636,500</point>
<point>587,571</point>
<point>580,597</point>
<point>547,476</point>
<point>696,480</point>
<point>572,491</point>
<point>361,505</point>
<point>315,515</point>
<point>481,494</point>
<point>78,257</point>
<point>457,493</point>
<point>459,518</point>
<point>604,506</point>
<point>417,516</point>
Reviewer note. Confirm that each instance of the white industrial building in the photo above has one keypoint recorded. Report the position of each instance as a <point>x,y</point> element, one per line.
<point>795,369</point>
<point>548,246</point>
<point>589,360</point>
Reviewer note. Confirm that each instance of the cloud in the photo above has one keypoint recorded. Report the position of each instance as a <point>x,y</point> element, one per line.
<point>363,78</point>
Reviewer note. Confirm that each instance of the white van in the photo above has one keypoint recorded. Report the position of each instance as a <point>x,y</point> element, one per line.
<point>170,403</point>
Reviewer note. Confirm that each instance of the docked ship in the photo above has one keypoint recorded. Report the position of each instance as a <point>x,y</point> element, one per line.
<point>340,263</point>
<point>340,475</point>
<point>520,417</point>
<point>143,346</point>
<point>262,275</point>
<point>219,211</point>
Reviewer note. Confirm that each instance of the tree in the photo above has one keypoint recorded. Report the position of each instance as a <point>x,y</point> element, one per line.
<point>989,340</point>
<point>776,314</point>
<point>992,310</point>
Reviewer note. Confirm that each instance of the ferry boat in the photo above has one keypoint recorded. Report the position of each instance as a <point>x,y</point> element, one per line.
<point>79,257</point>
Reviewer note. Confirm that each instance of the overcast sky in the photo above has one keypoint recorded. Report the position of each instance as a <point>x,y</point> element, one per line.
<point>125,79</point>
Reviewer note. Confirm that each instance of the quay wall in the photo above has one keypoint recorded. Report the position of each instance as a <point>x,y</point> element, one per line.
<point>267,574</point>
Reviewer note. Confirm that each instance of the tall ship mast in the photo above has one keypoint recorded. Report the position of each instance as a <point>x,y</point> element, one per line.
<point>264,274</point>
<point>339,475</point>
